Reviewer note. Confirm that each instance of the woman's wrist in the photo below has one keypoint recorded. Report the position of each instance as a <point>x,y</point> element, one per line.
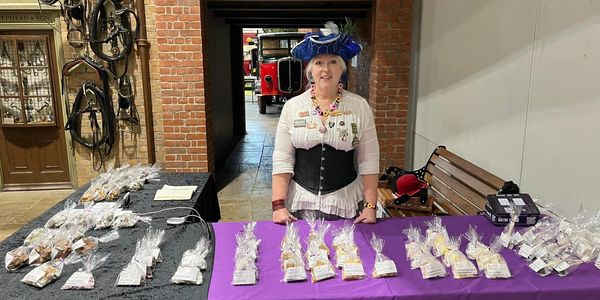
<point>278,204</point>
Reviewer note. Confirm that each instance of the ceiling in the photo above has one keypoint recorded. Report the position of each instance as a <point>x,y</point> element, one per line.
<point>290,13</point>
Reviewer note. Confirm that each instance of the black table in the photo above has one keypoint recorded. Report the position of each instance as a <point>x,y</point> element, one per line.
<point>177,240</point>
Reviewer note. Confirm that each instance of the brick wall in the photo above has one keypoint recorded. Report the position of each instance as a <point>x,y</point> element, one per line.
<point>182,76</point>
<point>388,85</point>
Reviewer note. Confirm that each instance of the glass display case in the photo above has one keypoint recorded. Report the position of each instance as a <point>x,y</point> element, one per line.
<point>26,94</point>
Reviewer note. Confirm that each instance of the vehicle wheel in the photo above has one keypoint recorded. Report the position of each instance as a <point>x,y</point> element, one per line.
<point>262,104</point>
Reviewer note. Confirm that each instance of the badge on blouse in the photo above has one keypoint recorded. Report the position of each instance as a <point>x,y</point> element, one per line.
<point>331,124</point>
<point>303,114</point>
<point>355,140</point>
<point>343,134</point>
<point>311,125</point>
<point>335,113</point>
<point>299,122</point>
<point>347,112</point>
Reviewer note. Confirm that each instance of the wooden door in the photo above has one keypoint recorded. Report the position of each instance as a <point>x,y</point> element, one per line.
<point>33,152</point>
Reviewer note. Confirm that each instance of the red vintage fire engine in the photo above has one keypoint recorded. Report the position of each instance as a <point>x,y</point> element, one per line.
<point>281,76</point>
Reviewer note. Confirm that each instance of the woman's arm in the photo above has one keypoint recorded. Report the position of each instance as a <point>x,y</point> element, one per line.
<point>283,168</point>
<point>370,188</point>
<point>279,192</point>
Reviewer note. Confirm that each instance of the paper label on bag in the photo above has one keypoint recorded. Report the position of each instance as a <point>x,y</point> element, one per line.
<point>529,236</point>
<point>497,271</point>
<point>295,274</point>
<point>505,239</point>
<point>246,277</point>
<point>433,269</point>
<point>541,252</point>
<point>537,265</point>
<point>78,244</point>
<point>187,275</point>
<point>516,238</point>
<point>464,268</point>
<point>79,280</point>
<point>340,260</point>
<point>561,267</point>
<point>525,251</point>
<point>129,277</point>
<point>417,260</point>
<point>322,272</point>
<point>353,269</point>
<point>385,267</point>
<point>35,275</point>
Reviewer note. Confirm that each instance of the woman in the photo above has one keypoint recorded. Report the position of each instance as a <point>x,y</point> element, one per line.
<point>326,156</point>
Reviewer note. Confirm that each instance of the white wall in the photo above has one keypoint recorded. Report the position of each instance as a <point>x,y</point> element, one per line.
<point>514,86</point>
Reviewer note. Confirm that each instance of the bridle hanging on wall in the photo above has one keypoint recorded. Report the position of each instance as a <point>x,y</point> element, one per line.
<point>105,27</point>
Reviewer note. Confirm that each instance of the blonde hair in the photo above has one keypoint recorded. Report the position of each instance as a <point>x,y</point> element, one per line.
<point>311,63</point>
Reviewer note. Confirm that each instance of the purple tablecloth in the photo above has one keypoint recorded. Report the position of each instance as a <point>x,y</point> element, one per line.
<point>584,283</point>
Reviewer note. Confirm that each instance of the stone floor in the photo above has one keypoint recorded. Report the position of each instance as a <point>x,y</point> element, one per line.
<point>19,208</point>
<point>247,172</point>
<point>245,195</point>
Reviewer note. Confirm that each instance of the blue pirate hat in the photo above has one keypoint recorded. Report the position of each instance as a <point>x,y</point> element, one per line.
<point>315,43</point>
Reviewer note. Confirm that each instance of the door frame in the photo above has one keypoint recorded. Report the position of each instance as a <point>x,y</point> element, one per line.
<point>47,19</point>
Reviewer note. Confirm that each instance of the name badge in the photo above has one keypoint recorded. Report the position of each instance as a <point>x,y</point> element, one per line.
<point>300,123</point>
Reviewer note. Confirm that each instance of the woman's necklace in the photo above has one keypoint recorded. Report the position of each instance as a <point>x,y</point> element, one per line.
<point>332,107</point>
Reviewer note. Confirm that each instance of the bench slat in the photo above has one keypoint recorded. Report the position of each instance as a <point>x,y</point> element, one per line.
<point>466,196</point>
<point>469,206</point>
<point>478,186</point>
<point>445,204</point>
<point>490,179</point>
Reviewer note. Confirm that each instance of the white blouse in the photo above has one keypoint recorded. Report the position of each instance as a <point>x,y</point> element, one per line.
<point>298,128</point>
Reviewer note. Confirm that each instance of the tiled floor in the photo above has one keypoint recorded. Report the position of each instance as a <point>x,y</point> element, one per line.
<point>246,195</point>
<point>247,172</point>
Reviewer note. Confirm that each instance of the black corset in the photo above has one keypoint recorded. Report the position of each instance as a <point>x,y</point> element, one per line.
<point>323,168</point>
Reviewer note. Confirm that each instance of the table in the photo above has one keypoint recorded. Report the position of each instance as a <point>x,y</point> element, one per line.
<point>177,240</point>
<point>583,283</point>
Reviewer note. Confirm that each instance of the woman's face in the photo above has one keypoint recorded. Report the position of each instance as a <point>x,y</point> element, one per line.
<point>326,71</point>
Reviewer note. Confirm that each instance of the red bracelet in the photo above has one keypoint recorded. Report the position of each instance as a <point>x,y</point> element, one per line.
<point>278,204</point>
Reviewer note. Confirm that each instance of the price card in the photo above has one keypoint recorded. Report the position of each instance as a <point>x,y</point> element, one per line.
<point>525,251</point>
<point>246,277</point>
<point>295,274</point>
<point>386,267</point>
<point>79,280</point>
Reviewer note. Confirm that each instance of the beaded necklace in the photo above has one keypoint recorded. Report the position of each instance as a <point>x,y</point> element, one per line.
<point>332,107</point>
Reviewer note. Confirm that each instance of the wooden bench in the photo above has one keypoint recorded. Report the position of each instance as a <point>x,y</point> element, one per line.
<point>457,186</point>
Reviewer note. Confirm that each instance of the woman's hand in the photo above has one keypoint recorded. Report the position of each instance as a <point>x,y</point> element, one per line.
<point>283,216</point>
<point>366,216</point>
